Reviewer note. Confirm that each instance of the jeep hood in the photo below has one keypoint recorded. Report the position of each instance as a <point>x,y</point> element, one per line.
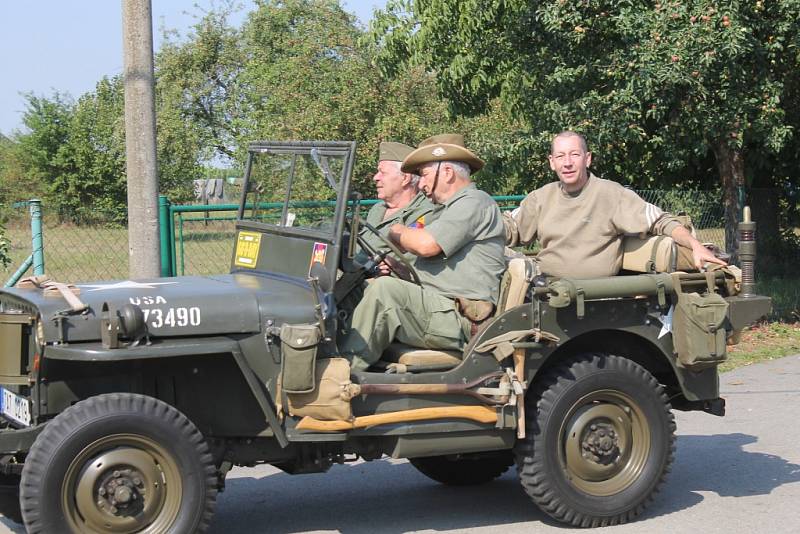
<point>180,306</point>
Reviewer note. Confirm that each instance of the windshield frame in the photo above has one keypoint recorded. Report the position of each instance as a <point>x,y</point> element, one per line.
<point>343,149</point>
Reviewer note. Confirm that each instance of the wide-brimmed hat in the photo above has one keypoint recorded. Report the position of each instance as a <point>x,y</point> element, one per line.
<point>391,151</point>
<point>444,147</point>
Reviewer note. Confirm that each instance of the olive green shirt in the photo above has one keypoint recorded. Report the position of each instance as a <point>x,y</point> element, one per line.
<point>581,233</point>
<point>417,214</point>
<point>469,230</point>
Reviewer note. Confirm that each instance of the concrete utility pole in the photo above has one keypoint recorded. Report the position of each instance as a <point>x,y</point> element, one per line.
<point>140,139</point>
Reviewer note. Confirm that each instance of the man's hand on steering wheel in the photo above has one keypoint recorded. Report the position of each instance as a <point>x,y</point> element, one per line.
<point>391,265</point>
<point>385,264</point>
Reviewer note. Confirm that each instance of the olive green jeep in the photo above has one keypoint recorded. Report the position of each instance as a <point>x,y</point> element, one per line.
<point>125,404</point>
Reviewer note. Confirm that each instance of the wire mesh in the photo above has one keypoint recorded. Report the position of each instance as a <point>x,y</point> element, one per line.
<point>72,253</point>
<point>705,209</point>
<point>203,240</point>
<point>204,244</point>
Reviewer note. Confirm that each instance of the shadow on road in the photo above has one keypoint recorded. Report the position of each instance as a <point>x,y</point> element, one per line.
<point>719,464</point>
<point>395,498</point>
<point>382,496</point>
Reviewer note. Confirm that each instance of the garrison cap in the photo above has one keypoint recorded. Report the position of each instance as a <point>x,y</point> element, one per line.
<point>443,147</point>
<point>391,151</point>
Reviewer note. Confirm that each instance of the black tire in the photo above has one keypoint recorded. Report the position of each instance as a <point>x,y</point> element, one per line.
<point>9,498</point>
<point>464,469</point>
<point>600,440</point>
<point>121,462</point>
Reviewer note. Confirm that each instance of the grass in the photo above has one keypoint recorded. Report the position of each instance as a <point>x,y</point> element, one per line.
<point>90,253</point>
<point>785,294</point>
<point>763,342</point>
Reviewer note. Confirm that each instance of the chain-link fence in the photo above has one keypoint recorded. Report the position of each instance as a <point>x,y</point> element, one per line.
<point>704,208</point>
<point>72,253</point>
<point>202,242</point>
<point>203,239</point>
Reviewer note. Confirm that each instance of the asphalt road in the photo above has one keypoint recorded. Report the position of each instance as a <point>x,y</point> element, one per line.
<point>740,473</point>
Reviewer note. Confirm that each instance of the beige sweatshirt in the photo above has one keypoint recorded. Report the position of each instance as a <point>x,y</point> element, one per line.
<point>581,233</point>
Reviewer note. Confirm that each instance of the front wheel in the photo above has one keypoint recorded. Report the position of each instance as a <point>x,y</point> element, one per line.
<point>119,463</point>
<point>601,438</point>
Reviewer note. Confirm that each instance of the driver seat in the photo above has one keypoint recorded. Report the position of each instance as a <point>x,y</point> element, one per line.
<point>513,289</point>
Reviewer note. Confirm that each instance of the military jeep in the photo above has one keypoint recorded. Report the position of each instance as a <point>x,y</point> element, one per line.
<point>125,404</point>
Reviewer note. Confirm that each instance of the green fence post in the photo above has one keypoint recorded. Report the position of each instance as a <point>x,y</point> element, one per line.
<point>172,252</point>
<point>37,239</point>
<point>18,274</point>
<point>164,223</point>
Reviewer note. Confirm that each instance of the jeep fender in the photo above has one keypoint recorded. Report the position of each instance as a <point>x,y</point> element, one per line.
<point>174,348</point>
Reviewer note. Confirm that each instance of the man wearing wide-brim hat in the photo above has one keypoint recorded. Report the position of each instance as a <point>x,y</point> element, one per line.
<point>459,259</point>
<point>400,200</point>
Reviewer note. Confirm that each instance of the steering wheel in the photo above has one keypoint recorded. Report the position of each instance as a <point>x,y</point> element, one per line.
<point>379,255</point>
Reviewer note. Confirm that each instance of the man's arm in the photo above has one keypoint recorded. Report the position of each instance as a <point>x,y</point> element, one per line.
<point>511,229</point>
<point>520,225</point>
<point>700,254</point>
<point>634,215</point>
<point>415,240</point>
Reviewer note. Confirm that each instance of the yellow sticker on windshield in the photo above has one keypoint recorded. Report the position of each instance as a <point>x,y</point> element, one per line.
<point>247,245</point>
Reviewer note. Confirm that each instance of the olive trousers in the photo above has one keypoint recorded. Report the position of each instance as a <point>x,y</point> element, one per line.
<point>395,309</point>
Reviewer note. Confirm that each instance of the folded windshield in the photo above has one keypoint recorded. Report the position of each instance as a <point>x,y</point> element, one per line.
<point>295,187</point>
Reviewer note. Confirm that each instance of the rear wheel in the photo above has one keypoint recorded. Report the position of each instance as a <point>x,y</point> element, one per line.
<point>464,469</point>
<point>600,441</point>
<point>119,463</point>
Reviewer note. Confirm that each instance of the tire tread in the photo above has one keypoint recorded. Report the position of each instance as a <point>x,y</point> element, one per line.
<point>92,409</point>
<point>531,462</point>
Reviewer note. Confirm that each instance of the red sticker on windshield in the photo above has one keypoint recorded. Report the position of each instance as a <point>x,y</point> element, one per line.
<point>318,254</point>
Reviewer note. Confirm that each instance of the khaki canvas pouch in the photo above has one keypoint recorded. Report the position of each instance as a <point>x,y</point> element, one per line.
<point>299,344</point>
<point>475,310</point>
<point>330,401</point>
<point>698,329</point>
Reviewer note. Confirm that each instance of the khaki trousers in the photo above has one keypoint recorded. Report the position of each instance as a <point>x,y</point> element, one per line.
<point>395,309</point>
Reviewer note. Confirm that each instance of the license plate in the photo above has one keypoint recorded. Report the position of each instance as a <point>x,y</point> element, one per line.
<point>15,407</point>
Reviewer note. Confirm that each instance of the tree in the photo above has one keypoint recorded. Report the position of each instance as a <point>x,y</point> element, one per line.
<point>657,86</point>
<point>76,150</point>
<point>296,69</point>
<point>15,185</point>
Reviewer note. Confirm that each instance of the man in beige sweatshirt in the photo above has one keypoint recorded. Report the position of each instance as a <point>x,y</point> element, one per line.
<point>580,220</point>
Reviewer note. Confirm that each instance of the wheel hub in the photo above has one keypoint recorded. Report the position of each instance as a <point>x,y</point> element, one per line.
<point>121,492</point>
<point>605,443</point>
<point>601,443</point>
<point>122,484</point>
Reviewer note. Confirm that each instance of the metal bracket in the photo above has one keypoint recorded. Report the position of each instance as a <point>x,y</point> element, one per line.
<point>661,292</point>
<point>109,328</point>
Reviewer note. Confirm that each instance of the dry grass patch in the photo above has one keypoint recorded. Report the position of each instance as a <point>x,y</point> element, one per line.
<point>763,342</point>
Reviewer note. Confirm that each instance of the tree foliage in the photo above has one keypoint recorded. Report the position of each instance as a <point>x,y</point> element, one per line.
<point>296,69</point>
<point>76,151</point>
<point>664,90</point>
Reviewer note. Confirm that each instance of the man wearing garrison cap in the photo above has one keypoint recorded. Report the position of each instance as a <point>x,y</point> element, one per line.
<point>401,202</point>
<point>459,259</point>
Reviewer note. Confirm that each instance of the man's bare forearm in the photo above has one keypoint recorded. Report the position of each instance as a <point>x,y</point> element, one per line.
<point>414,240</point>
<point>700,253</point>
